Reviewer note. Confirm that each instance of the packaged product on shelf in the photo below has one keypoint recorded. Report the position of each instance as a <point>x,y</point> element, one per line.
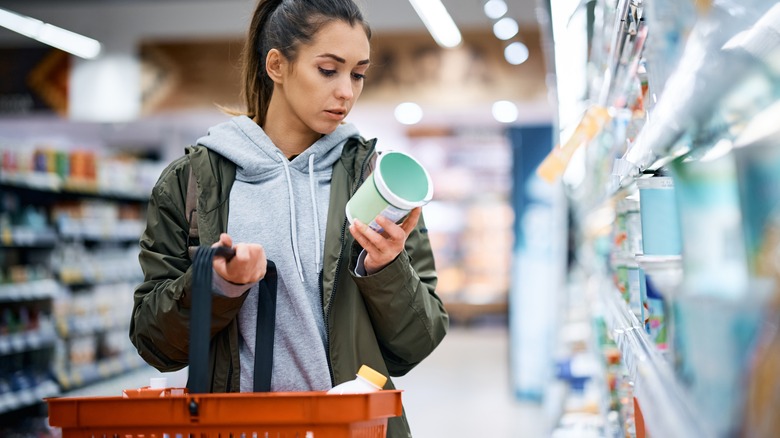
<point>671,22</point>
<point>716,340</point>
<point>757,155</point>
<point>659,217</point>
<point>654,311</point>
<point>710,221</point>
<point>627,281</point>
<point>628,227</point>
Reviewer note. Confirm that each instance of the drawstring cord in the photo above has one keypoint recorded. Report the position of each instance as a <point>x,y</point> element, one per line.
<point>293,222</point>
<point>312,189</point>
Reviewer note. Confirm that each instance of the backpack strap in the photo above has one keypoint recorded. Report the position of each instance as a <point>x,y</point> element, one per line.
<point>191,213</point>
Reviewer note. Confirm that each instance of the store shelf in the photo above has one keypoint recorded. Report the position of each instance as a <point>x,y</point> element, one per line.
<point>28,340</point>
<point>29,291</point>
<point>101,231</point>
<point>14,400</point>
<point>84,375</point>
<point>28,237</point>
<point>665,405</point>
<point>76,326</point>
<point>53,184</point>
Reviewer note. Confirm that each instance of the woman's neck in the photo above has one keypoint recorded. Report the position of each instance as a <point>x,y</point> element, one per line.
<point>292,138</point>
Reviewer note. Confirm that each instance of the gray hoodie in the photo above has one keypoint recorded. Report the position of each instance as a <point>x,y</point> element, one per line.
<point>283,206</point>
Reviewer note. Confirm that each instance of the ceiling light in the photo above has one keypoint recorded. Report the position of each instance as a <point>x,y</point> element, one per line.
<point>505,111</point>
<point>438,22</point>
<point>408,113</point>
<point>495,9</point>
<point>505,28</point>
<point>54,36</point>
<point>516,53</point>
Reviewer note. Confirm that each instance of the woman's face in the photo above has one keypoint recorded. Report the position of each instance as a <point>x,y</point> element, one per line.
<point>326,79</point>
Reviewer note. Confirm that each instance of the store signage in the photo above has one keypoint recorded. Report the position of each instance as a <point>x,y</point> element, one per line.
<point>33,80</point>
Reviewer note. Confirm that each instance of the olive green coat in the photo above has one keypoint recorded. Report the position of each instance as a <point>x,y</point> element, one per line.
<point>389,321</point>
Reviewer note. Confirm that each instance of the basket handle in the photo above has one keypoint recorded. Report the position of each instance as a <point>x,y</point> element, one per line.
<point>200,322</point>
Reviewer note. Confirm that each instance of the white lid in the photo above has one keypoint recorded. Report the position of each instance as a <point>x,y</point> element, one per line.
<point>389,196</point>
<point>656,182</point>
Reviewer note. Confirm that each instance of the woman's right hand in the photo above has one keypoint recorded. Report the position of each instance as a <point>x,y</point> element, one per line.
<point>247,266</point>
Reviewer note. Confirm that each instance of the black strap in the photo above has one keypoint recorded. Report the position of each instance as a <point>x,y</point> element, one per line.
<point>200,322</point>
<point>266,322</point>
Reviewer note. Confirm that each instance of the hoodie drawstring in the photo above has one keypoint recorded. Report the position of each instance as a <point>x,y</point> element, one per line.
<point>312,189</point>
<point>293,223</point>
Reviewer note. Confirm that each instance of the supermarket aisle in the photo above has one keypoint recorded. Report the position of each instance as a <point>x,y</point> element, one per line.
<point>462,390</point>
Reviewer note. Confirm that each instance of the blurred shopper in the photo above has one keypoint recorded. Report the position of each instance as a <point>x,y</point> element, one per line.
<point>272,182</point>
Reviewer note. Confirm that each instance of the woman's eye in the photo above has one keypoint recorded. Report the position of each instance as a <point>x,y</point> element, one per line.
<point>326,73</point>
<point>358,76</point>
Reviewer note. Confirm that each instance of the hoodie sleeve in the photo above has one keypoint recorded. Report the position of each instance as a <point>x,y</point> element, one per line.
<point>159,327</point>
<point>407,315</point>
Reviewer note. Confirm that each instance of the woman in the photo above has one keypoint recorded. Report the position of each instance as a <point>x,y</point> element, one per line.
<point>273,182</point>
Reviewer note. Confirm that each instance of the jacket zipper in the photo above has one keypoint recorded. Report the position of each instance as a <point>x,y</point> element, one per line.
<point>229,384</point>
<point>329,306</point>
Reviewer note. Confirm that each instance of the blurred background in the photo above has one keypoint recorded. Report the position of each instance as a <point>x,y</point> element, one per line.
<point>604,220</point>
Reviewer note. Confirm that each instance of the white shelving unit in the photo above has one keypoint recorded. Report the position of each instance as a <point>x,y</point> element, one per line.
<point>691,106</point>
<point>665,404</point>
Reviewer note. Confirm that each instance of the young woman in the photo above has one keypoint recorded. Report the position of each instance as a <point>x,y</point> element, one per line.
<point>272,183</point>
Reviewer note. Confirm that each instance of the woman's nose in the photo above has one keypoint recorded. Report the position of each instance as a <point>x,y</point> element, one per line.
<point>344,89</point>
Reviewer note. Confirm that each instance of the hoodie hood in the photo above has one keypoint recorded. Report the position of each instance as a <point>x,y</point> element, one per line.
<point>244,142</point>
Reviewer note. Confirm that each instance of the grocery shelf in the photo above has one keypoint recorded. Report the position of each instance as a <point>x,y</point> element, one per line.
<point>29,290</point>
<point>73,326</point>
<point>27,340</point>
<point>80,376</point>
<point>665,404</point>
<point>51,183</point>
<point>28,237</point>
<point>13,400</point>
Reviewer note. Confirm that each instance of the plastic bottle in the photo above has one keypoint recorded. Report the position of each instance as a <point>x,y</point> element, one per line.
<point>367,380</point>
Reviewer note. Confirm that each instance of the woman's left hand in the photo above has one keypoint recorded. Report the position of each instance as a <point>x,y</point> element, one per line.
<point>383,248</point>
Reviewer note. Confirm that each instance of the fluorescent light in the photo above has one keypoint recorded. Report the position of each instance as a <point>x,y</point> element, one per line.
<point>495,9</point>
<point>505,28</point>
<point>505,111</point>
<point>408,113</point>
<point>516,53</point>
<point>438,21</point>
<point>54,36</point>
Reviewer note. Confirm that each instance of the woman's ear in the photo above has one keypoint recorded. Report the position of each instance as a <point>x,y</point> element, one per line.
<point>274,65</point>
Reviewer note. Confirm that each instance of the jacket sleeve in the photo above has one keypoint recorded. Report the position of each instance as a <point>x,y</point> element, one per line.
<point>408,317</point>
<point>159,326</point>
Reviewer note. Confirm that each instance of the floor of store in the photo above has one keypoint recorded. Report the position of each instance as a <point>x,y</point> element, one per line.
<point>461,390</point>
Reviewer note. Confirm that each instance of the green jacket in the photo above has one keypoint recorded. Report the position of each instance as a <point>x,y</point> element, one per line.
<point>389,321</point>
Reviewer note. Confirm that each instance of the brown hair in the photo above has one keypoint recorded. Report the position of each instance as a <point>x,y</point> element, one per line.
<point>284,25</point>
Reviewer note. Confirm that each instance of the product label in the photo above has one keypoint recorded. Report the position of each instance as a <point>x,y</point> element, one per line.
<point>395,214</point>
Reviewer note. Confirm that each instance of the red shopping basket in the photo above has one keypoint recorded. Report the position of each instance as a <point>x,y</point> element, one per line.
<point>236,415</point>
<point>271,415</point>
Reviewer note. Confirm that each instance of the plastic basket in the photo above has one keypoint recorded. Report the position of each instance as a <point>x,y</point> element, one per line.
<point>151,413</point>
<point>261,415</point>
